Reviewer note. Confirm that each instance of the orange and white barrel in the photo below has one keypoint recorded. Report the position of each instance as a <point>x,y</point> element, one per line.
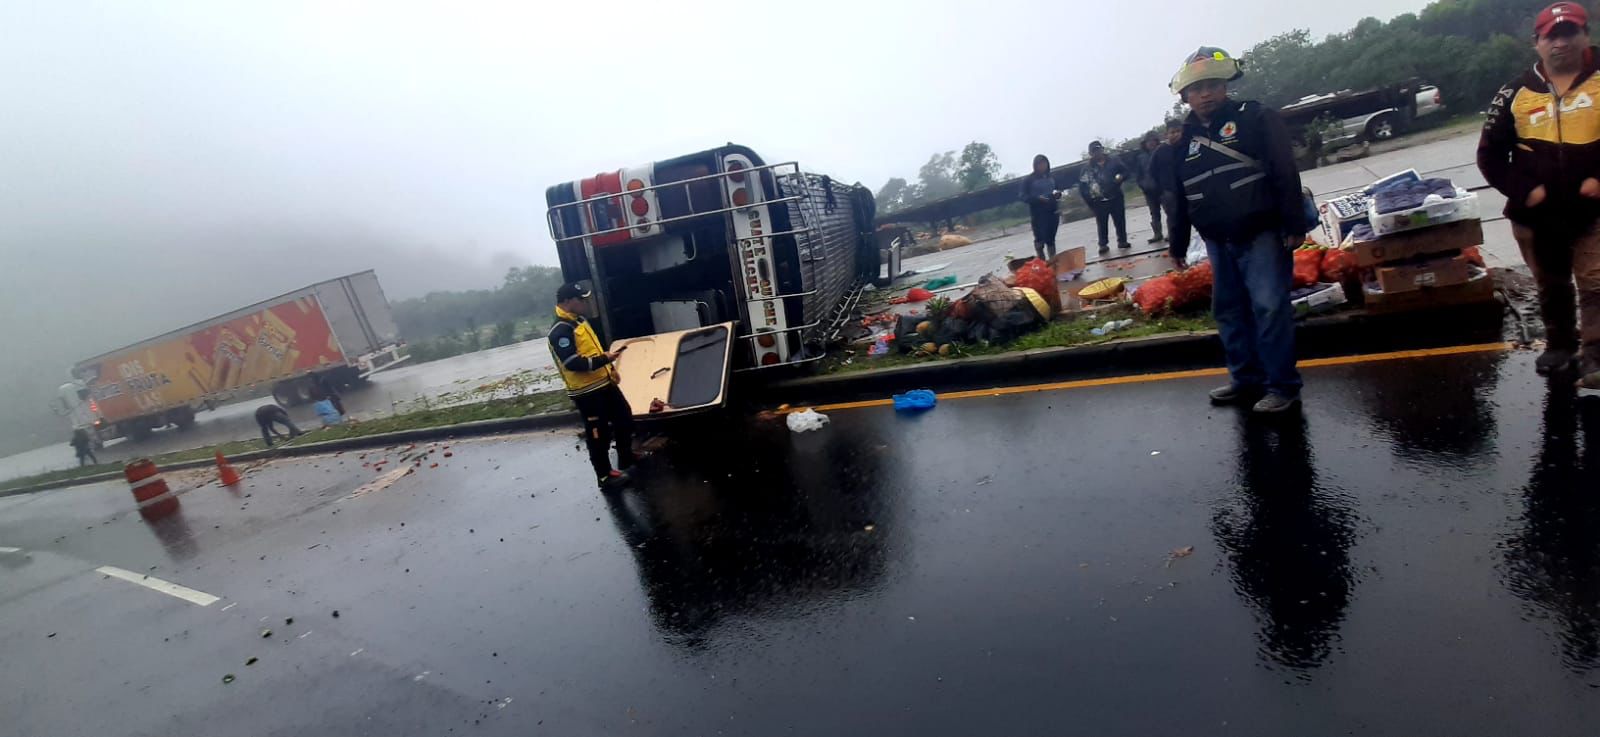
<point>150,490</point>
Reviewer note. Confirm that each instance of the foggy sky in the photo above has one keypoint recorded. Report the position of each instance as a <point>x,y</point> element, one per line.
<point>163,162</point>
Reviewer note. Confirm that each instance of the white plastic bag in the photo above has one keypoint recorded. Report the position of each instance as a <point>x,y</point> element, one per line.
<point>805,420</point>
<point>1197,252</point>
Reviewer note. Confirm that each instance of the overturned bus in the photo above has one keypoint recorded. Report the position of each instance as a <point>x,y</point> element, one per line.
<point>712,263</point>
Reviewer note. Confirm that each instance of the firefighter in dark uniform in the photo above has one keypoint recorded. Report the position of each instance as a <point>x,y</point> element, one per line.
<point>591,377</point>
<point>1237,184</point>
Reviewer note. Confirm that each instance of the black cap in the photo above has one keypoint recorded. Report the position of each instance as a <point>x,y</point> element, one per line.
<point>571,291</point>
<point>1096,146</point>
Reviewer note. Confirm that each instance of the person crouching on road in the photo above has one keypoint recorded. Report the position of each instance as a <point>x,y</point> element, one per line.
<point>1237,184</point>
<point>269,415</point>
<point>1541,148</point>
<point>1039,191</point>
<point>590,373</point>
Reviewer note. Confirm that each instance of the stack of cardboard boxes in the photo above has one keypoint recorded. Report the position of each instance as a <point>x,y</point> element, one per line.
<point>1421,258</point>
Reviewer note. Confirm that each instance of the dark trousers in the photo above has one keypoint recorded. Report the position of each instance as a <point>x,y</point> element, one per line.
<point>1571,316</point>
<point>1169,201</point>
<point>1250,299</point>
<point>1116,212</point>
<point>267,429</point>
<point>86,457</point>
<point>606,417</point>
<point>1152,199</point>
<point>1045,224</point>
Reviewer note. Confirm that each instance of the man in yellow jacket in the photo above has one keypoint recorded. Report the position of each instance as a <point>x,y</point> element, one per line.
<point>591,377</point>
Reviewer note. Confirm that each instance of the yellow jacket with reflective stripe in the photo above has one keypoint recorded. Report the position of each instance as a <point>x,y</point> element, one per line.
<point>578,355</point>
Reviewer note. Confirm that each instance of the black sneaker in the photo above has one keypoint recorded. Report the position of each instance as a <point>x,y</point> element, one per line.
<point>1552,361</point>
<point>1230,394</point>
<point>1105,250</point>
<point>615,480</point>
<point>1276,404</point>
<point>1124,245</point>
<point>1156,239</point>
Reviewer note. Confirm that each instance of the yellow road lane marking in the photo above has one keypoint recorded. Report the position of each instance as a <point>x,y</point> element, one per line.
<point>1173,376</point>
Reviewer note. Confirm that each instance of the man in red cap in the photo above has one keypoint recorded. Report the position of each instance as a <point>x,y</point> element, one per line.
<point>1541,149</point>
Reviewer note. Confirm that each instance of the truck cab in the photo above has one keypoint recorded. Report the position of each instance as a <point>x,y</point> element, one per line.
<point>73,403</point>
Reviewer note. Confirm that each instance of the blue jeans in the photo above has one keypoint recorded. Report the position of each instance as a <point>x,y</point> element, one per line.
<point>1251,302</point>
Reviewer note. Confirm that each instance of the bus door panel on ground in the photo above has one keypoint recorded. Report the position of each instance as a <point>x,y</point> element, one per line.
<point>677,373</point>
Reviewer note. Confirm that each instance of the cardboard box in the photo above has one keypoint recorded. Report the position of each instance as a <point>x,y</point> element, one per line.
<point>1331,297</point>
<point>1071,261</point>
<point>1478,290</point>
<point>1448,237</point>
<point>1439,272</point>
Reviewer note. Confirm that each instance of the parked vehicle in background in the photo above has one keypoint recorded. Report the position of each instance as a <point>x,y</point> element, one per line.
<point>759,263</point>
<point>1376,114</point>
<point>1429,100</point>
<point>338,332</point>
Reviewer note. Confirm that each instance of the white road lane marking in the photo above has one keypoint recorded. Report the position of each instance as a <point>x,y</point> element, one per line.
<point>230,606</point>
<point>10,550</point>
<point>155,584</point>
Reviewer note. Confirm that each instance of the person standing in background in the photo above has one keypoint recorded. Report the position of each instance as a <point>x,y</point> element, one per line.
<point>1100,184</point>
<point>84,447</point>
<point>1044,205</point>
<point>1163,165</point>
<point>1237,183</point>
<point>1541,148</point>
<point>1144,161</point>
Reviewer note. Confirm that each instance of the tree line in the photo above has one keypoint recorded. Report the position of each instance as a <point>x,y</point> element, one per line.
<point>944,175</point>
<point>444,324</point>
<point>1468,48</point>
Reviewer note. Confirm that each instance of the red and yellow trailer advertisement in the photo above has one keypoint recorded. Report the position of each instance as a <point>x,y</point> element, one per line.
<point>278,341</point>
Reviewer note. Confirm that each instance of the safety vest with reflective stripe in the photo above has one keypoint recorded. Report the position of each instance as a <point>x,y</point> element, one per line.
<point>587,345</point>
<point>1223,176</point>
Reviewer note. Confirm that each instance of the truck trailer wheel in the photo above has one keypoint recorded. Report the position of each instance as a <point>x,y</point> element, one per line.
<point>183,417</point>
<point>136,430</point>
<point>292,393</point>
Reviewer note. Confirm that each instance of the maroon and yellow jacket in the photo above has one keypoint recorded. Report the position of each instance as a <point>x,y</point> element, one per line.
<point>1532,138</point>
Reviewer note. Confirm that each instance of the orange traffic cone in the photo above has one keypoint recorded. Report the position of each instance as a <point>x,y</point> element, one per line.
<point>226,471</point>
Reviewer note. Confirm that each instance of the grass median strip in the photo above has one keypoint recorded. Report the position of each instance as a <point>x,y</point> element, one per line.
<point>521,406</point>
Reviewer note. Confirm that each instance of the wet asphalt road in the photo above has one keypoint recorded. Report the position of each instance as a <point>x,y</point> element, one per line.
<point>1420,555</point>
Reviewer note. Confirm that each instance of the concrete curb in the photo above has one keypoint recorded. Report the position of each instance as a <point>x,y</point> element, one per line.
<point>1317,337</point>
<point>465,429</point>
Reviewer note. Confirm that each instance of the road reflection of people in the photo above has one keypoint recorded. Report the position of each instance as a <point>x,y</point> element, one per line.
<point>1553,562</point>
<point>1288,542</point>
<point>754,524</point>
<point>1461,388</point>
